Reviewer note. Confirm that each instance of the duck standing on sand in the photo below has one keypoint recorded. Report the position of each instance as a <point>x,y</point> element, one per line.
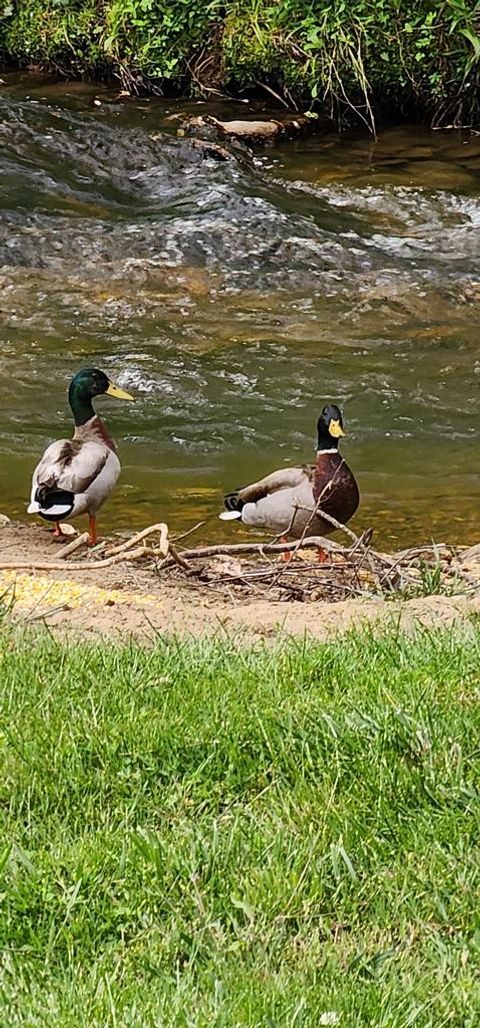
<point>75,476</point>
<point>270,503</point>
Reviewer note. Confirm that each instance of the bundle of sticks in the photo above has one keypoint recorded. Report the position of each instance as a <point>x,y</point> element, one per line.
<point>353,569</point>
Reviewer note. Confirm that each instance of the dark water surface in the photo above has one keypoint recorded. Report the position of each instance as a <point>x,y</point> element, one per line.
<point>234,298</point>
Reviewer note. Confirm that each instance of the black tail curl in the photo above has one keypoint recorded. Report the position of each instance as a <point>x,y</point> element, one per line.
<point>52,500</point>
<point>232,501</point>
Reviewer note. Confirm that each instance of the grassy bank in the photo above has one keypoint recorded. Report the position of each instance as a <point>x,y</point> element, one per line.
<point>392,53</point>
<point>203,835</point>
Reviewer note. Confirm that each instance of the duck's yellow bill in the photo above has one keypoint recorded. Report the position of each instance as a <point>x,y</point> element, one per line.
<point>114,390</point>
<point>335,429</point>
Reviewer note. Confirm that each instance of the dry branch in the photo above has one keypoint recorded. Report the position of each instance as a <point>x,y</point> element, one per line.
<point>80,541</point>
<point>234,549</point>
<point>125,551</point>
<point>161,527</point>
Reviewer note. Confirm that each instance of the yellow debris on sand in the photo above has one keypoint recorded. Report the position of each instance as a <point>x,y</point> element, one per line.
<point>27,591</point>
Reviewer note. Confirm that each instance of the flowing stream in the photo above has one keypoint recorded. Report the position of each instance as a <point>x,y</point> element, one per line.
<point>234,298</point>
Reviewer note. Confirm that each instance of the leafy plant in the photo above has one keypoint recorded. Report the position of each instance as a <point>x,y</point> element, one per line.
<point>358,55</point>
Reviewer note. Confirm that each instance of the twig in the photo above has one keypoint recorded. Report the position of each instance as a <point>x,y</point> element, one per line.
<point>288,530</point>
<point>86,565</point>
<point>200,524</point>
<point>417,551</point>
<point>317,511</point>
<point>341,527</point>
<point>296,570</point>
<point>173,552</point>
<point>277,96</point>
<point>163,547</point>
<point>312,542</point>
<point>81,540</point>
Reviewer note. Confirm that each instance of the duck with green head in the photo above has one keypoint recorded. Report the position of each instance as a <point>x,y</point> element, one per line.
<point>76,476</point>
<point>283,501</point>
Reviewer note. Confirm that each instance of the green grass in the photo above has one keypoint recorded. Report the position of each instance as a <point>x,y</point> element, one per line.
<point>198,834</point>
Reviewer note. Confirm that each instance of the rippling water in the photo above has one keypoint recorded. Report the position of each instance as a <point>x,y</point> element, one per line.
<point>234,298</point>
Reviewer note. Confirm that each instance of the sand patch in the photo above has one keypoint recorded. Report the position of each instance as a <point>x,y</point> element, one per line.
<point>132,598</point>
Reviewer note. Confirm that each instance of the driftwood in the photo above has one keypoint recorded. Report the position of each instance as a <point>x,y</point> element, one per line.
<point>126,551</point>
<point>265,130</point>
<point>236,549</point>
<point>81,540</point>
<point>471,553</point>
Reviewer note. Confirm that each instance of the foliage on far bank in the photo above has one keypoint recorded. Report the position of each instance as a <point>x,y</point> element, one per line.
<point>396,53</point>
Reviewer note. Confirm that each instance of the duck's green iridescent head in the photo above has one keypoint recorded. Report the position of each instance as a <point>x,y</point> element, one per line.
<point>330,427</point>
<point>86,384</point>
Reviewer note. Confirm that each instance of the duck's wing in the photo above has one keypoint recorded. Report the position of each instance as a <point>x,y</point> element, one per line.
<point>285,478</point>
<point>71,465</point>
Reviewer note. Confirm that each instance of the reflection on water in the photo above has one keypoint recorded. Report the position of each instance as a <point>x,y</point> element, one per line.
<point>236,297</point>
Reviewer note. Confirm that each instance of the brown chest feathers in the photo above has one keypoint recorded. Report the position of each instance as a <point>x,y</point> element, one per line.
<point>334,488</point>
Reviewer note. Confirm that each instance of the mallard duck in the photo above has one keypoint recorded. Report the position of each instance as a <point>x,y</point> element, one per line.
<point>75,476</point>
<point>270,502</point>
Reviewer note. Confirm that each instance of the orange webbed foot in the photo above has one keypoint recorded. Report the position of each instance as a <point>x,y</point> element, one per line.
<point>57,531</point>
